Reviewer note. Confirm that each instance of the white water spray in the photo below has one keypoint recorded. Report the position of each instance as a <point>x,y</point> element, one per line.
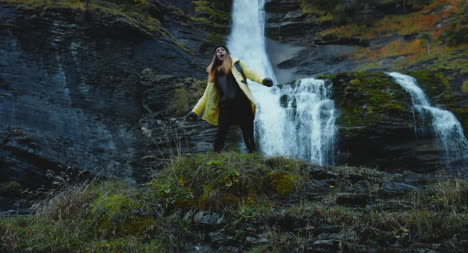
<point>310,121</point>
<point>303,124</point>
<point>447,129</point>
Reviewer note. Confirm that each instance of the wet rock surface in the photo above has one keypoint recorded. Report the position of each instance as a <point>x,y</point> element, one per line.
<point>295,49</point>
<point>71,95</point>
<point>376,126</point>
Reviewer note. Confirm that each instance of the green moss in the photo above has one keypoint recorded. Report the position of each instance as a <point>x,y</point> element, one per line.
<point>134,11</point>
<point>210,12</point>
<point>211,15</point>
<point>369,99</point>
<point>112,210</point>
<point>186,94</point>
<point>367,67</point>
<point>355,82</point>
<point>432,83</point>
<point>282,183</point>
<point>215,15</point>
<point>217,38</point>
<point>439,91</point>
<point>180,102</point>
<point>462,115</point>
<point>325,76</point>
<point>464,87</point>
<point>230,200</point>
<point>202,20</point>
<point>218,181</point>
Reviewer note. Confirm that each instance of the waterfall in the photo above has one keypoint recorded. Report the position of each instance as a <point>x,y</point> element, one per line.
<point>295,120</point>
<point>310,117</point>
<point>447,129</point>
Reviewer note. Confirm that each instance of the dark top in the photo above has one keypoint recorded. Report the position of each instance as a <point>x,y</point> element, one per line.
<point>229,90</point>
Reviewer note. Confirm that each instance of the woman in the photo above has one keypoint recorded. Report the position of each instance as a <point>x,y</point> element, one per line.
<point>227,99</point>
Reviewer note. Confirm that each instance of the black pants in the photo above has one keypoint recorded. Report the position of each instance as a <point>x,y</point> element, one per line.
<point>236,114</point>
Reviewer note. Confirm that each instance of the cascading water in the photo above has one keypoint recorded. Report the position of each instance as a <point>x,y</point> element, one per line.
<point>310,121</point>
<point>447,129</point>
<point>302,125</point>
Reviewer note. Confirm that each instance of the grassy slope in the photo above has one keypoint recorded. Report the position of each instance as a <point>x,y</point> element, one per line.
<point>283,204</point>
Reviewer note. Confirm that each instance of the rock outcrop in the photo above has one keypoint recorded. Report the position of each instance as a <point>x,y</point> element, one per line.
<point>72,86</point>
<point>376,125</point>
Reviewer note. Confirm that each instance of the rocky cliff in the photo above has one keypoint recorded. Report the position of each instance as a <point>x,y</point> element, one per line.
<point>422,38</point>
<point>81,81</point>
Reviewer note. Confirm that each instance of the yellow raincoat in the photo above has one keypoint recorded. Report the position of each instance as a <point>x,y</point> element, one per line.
<point>210,99</point>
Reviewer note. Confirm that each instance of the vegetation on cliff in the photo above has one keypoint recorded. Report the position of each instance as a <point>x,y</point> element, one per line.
<point>373,99</point>
<point>215,16</point>
<point>400,35</point>
<point>131,18</point>
<point>140,13</point>
<point>248,202</point>
<point>370,99</point>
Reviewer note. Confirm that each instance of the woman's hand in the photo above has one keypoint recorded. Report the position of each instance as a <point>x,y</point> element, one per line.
<point>267,82</point>
<point>191,116</point>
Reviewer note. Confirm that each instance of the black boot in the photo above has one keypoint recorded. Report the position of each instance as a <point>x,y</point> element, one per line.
<point>218,144</point>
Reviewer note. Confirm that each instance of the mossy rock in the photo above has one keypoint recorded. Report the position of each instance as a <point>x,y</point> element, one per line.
<point>439,92</point>
<point>282,183</point>
<point>230,200</point>
<point>433,83</point>
<point>184,203</point>
<point>211,11</point>
<point>370,99</point>
<point>464,87</point>
<point>227,180</point>
<point>136,14</point>
<point>462,115</point>
<point>325,76</point>
<point>215,17</point>
<point>186,95</point>
<point>113,211</point>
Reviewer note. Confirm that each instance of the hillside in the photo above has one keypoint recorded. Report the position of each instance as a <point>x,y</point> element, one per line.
<point>235,203</point>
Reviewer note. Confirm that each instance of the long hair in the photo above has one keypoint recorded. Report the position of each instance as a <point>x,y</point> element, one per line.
<point>217,66</point>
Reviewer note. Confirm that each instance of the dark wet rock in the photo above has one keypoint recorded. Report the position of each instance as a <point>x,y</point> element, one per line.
<point>352,199</point>
<point>294,48</point>
<point>319,187</point>
<point>73,98</point>
<point>376,120</point>
<point>221,239</point>
<point>199,247</point>
<point>328,228</point>
<point>18,212</point>
<point>327,244</point>
<point>391,188</point>
<point>337,236</point>
<point>229,249</point>
<point>209,218</point>
<point>417,178</point>
<point>388,205</point>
